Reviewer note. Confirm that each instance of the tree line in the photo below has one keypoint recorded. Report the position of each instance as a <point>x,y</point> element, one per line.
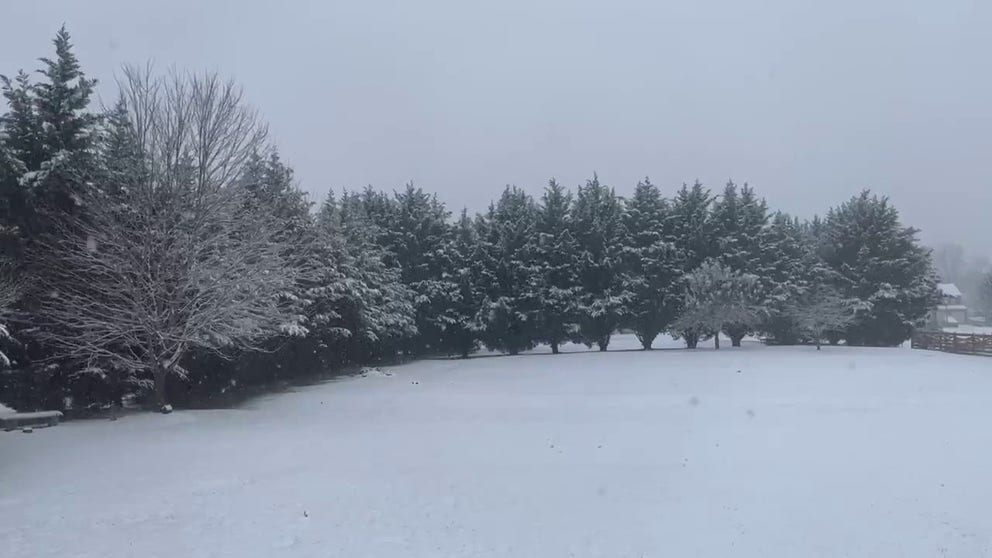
<point>160,248</point>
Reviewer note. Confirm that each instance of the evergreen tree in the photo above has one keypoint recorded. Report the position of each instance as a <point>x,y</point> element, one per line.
<point>463,328</point>
<point>738,221</point>
<point>270,189</point>
<point>381,211</point>
<point>788,267</point>
<point>362,311</point>
<point>331,315</point>
<point>415,232</point>
<point>692,226</point>
<point>20,150</point>
<point>653,265</point>
<point>692,233</point>
<point>555,254</point>
<point>598,229</point>
<point>47,163</point>
<point>386,318</point>
<point>511,310</point>
<point>67,132</point>
<point>62,100</point>
<point>880,263</point>
<point>269,183</point>
<point>22,129</point>
<point>119,158</point>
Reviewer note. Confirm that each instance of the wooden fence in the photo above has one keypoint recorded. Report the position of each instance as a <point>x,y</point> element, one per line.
<point>962,343</point>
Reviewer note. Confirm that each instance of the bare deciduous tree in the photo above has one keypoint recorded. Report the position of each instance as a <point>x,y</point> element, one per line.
<point>716,296</point>
<point>175,259</point>
<point>11,289</point>
<point>823,311</point>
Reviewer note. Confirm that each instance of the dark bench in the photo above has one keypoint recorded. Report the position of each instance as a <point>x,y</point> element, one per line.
<point>14,421</point>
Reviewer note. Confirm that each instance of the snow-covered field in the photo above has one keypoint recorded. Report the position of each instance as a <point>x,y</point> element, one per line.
<point>758,451</point>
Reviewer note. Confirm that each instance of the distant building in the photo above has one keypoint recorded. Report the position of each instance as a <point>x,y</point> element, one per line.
<point>951,312</point>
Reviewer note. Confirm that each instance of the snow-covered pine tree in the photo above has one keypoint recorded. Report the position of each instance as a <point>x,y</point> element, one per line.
<point>463,328</point>
<point>693,234</point>
<point>47,163</point>
<point>879,262</point>
<point>22,130</point>
<point>381,210</point>
<point>598,228</point>
<point>20,150</point>
<point>715,296</point>
<point>738,221</point>
<point>725,223</point>
<point>270,188</point>
<point>555,254</point>
<point>511,280</point>
<point>652,265</point>
<point>414,230</point>
<point>332,312</point>
<point>49,139</point>
<point>386,316</point>
<point>361,309</point>
<point>692,226</point>
<point>788,267</point>
<point>269,183</point>
<point>119,157</point>
<point>68,132</point>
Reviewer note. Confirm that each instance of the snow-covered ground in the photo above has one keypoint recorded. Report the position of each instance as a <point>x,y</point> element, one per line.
<point>760,451</point>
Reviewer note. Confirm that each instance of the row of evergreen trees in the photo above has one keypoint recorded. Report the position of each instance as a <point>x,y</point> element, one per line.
<point>382,276</point>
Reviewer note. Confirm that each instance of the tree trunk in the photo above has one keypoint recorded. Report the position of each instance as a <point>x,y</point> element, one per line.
<point>603,343</point>
<point>817,343</point>
<point>691,339</point>
<point>465,352</point>
<point>646,340</point>
<point>716,341</point>
<point>554,347</point>
<point>735,340</point>
<point>160,374</point>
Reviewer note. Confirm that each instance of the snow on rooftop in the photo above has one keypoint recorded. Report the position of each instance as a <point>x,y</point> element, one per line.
<point>948,289</point>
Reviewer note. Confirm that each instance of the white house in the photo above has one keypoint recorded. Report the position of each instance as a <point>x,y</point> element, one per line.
<point>951,312</point>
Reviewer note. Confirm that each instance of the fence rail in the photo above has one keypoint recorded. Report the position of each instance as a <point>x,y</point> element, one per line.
<point>961,343</point>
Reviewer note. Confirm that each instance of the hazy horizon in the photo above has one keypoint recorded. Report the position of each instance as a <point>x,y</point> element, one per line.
<point>809,105</point>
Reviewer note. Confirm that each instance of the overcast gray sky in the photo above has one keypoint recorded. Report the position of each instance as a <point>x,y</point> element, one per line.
<point>808,102</point>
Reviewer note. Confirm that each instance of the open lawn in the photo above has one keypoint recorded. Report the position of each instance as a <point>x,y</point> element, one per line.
<point>758,451</point>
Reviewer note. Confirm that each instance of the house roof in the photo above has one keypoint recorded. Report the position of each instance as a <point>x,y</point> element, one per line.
<point>948,289</point>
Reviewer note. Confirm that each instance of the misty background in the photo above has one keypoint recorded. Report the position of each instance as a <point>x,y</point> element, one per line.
<point>808,104</point>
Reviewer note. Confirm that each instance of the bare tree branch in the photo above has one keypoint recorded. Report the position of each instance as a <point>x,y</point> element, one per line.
<point>180,260</point>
